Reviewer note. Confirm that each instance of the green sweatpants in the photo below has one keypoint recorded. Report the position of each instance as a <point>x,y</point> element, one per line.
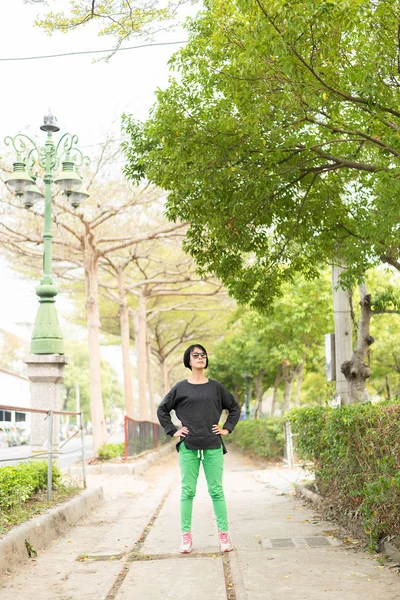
<point>213,465</point>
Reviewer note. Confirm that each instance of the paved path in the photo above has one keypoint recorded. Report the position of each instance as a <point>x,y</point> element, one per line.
<point>127,549</point>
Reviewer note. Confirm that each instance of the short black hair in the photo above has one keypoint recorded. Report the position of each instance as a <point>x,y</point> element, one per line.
<point>188,351</point>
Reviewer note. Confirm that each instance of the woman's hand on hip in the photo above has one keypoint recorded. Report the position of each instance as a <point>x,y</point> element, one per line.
<point>181,432</point>
<point>218,431</point>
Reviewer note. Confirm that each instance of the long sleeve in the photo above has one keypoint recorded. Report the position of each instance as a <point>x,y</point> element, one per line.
<point>164,410</point>
<point>229,402</point>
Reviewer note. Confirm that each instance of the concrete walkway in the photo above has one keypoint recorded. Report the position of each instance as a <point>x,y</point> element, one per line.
<point>127,549</point>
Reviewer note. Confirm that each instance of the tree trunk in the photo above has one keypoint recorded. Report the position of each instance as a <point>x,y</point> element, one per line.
<point>153,413</point>
<point>141,352</point>
<point>299,381</point>
<point>277,382</point>
<point>236,395</point>
<point>93,324</point>
<point>287,394</point>
<point>164,376</point>
<point>389,396</point>
<point>126,345</point>
<point>289,375</point>
<point>259,394</point>
<point>355,370</point>
<point>250,392</point>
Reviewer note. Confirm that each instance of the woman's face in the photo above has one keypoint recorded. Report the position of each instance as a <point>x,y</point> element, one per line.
<point>198,358</point>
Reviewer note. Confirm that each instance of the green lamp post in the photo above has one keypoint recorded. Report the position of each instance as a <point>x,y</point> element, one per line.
<point>47,337</point>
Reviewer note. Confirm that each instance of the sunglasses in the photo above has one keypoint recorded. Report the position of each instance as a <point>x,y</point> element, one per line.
<point>199,355</point>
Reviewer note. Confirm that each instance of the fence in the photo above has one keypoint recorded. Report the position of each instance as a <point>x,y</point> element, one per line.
<point>49,452</point>
<point>141,436</point>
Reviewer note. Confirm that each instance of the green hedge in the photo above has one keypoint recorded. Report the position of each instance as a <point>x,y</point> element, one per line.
<point>20,482</point>
<point>264,437</point>
<point>356,450</point>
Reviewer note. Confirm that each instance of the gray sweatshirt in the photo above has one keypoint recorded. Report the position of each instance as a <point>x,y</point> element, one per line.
<point>199,407</point>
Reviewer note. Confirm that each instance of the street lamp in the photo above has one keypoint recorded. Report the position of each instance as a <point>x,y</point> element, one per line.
<point>47,337</point>
<point>246,376</point>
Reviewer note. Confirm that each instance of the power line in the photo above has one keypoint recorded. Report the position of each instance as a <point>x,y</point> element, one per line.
<point>113,50</point>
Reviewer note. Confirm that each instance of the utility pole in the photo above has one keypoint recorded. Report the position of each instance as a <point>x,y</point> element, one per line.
<point>343,334</point>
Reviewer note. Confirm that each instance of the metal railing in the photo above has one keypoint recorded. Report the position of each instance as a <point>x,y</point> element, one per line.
<point>49,452</point>
<point>141,436</point>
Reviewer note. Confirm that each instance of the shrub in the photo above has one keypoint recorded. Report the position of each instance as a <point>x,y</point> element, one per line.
<point>110,451</point>
<point>20,482</point>
<point>356,450</point>
<point>264,437</point>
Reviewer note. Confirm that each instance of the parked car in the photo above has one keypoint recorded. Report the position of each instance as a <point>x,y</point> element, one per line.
<point>24,433</point>
<point>3,439</point>
<point>12,435</point>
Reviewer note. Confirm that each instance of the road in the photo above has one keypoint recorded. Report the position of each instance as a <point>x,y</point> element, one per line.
<point>69,454</point>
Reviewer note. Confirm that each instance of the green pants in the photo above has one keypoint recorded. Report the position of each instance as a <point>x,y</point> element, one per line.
<point>213,465</point>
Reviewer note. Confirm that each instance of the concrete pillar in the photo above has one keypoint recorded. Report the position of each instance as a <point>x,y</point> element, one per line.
<point>343,334</point>
<point>46,374</point>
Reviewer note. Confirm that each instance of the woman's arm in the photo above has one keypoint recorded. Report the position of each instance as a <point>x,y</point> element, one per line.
<point>229,402</point>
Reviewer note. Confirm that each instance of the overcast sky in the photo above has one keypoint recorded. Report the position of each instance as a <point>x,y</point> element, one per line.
<point>86,98</point>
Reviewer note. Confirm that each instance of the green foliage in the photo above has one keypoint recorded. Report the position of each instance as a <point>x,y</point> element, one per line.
<point>387,299</point>
<point>110,451</point>
<point>21,482</point>
<point>356,450</point>
<point>291,332</point>
<point>264,437</point>
<point>278,140</point>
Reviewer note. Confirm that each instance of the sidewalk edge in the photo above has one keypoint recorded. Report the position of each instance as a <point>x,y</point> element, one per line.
<point>308,493</point>
<point>134,468</point>
<point>385,546</point>
<point>237,577</point>
<point>41,530</point>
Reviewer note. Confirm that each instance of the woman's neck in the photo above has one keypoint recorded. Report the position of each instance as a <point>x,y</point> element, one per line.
<point>197,376</point>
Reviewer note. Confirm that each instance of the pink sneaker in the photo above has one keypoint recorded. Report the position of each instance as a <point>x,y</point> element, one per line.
<point>186,543</point>
<point>224,541</point>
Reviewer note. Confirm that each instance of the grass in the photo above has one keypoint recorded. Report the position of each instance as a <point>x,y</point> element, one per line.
<point>34,506</point>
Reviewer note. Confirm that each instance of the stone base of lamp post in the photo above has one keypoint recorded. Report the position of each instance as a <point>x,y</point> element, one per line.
<point>46,374</point>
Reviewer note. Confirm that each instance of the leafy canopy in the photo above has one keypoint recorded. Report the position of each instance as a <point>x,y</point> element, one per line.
<point>279,140</point>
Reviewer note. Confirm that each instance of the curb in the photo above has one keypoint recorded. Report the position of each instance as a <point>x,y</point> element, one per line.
<point>41,530</point>
<point>308,493</point>
<point>389,549</point>
<point>385,547</point>
<point>237,577</point>
<point>138,467</point>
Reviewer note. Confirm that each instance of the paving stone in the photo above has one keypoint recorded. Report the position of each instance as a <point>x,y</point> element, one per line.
<point>174,578</point>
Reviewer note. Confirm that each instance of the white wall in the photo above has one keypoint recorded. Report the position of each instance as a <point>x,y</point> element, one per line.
<point>14,390</point>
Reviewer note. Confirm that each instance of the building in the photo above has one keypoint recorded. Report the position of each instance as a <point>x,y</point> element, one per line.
<point>14,391</point>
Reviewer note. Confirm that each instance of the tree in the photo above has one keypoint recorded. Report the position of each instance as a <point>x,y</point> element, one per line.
<point>169,304</point>
<point>279,141</point>
<point>12,351</point>
<point>81,238</point>
<point>121,19</point>
<point>276,347</point>
<point>385,359</point>
<point>77,372</point>
<point>381,308</point>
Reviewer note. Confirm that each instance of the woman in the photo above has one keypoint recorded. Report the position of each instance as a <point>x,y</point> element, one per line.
<point>198,403</point>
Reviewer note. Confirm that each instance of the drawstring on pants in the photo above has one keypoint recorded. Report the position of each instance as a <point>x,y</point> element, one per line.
<point>200,454</point>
